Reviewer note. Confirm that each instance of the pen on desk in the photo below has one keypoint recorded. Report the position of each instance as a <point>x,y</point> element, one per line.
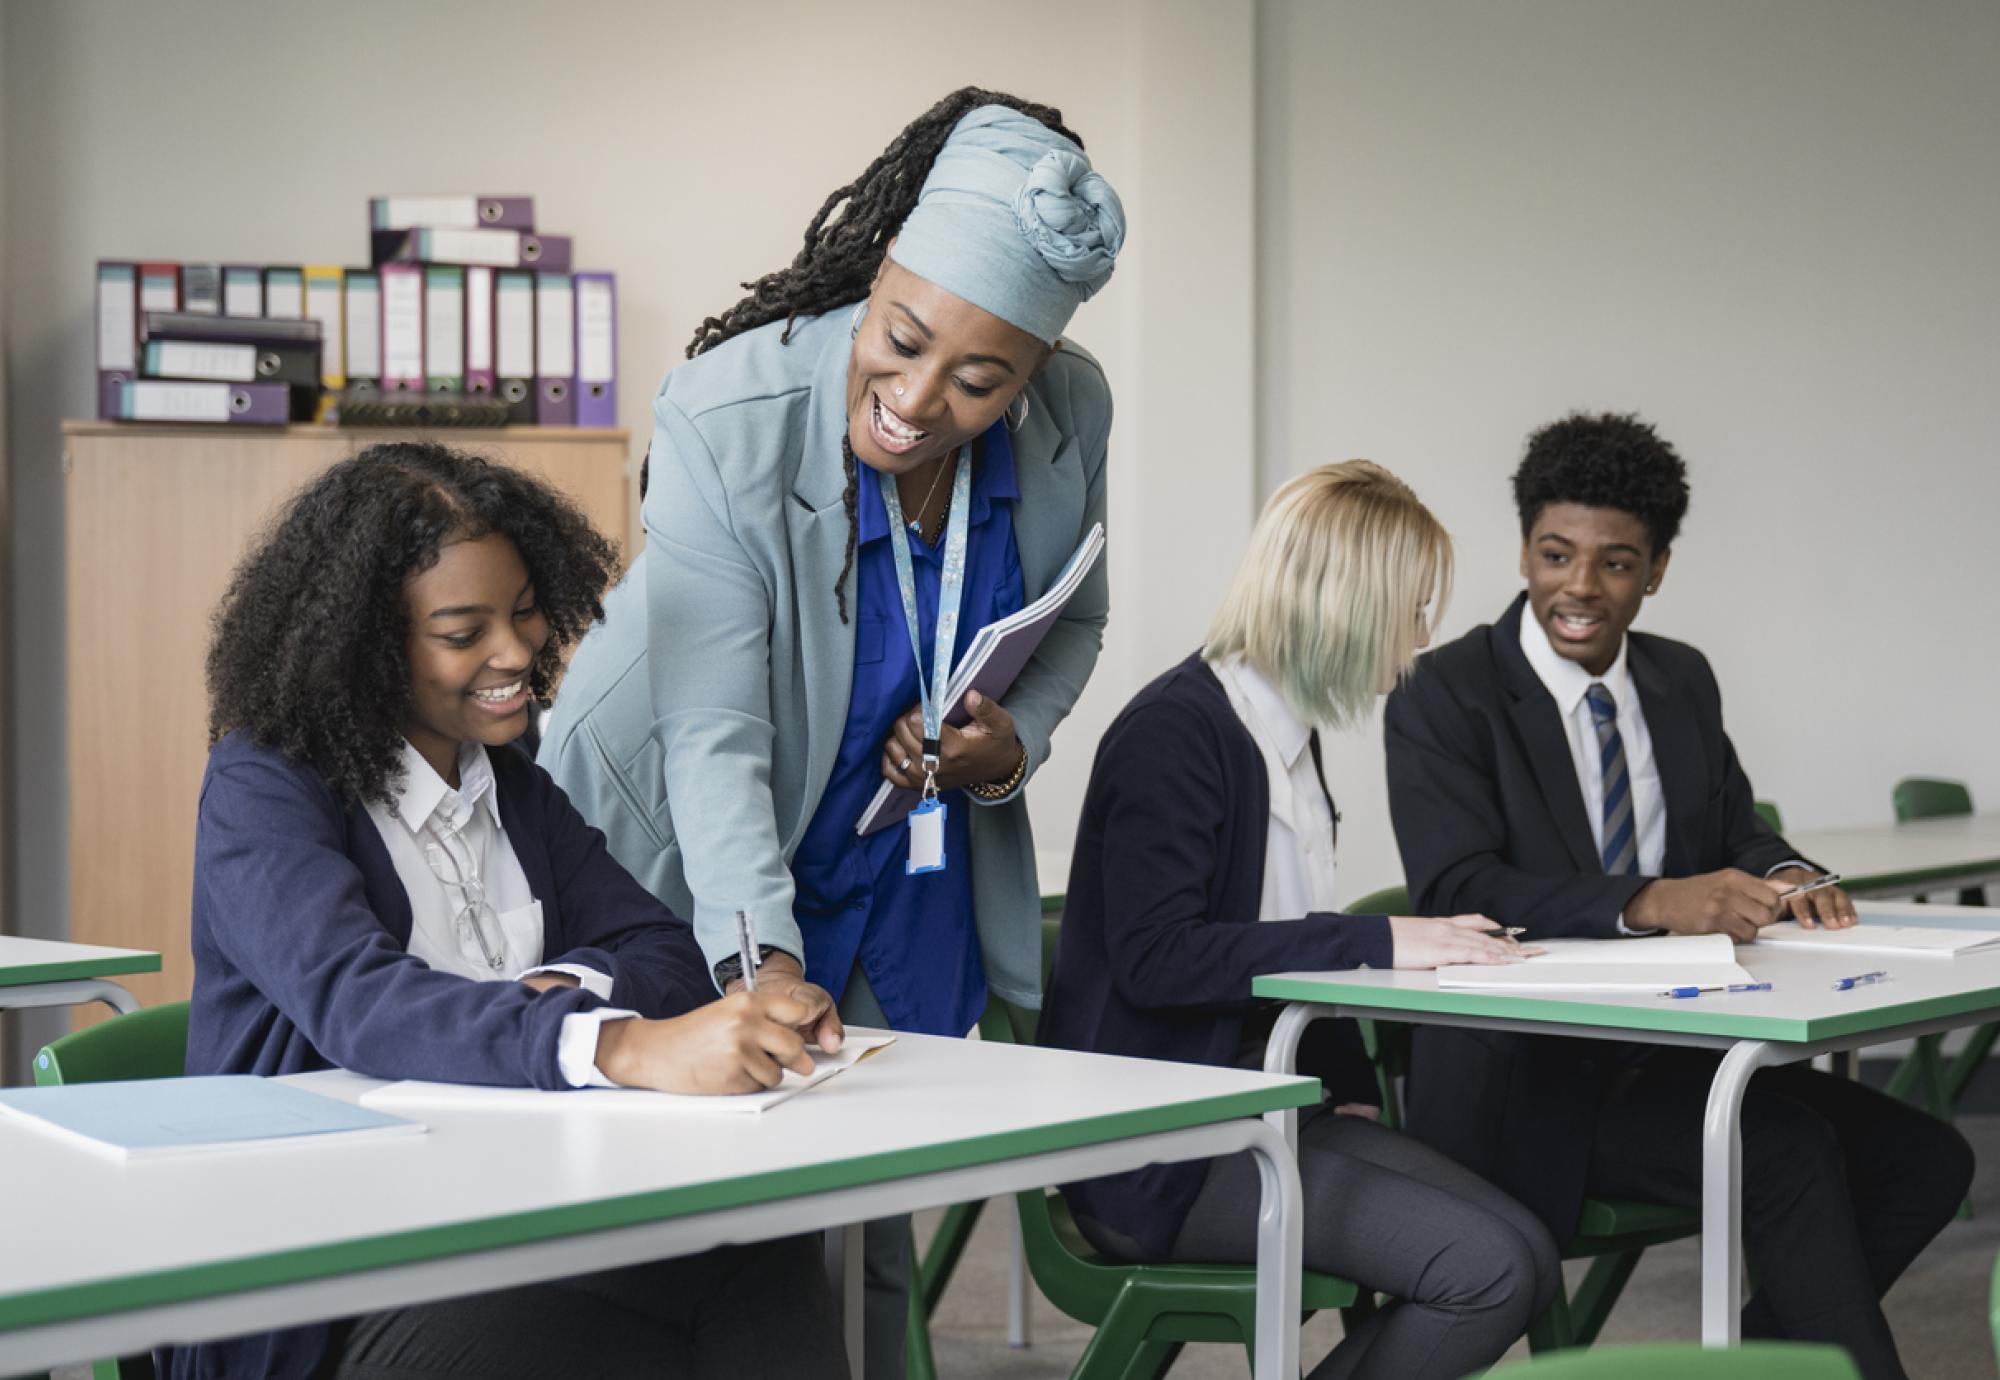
<point>1816,884</point>
<point>1732,987</point>
<point>1861,981</point>
<point>746,950</point>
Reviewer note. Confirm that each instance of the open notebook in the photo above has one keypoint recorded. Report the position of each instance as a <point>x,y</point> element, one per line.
<point>1902,930</point>
<point>1651,964</point>
<point>412,1095</point>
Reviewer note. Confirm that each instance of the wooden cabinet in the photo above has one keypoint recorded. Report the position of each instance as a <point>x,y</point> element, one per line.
<point>156,519</point>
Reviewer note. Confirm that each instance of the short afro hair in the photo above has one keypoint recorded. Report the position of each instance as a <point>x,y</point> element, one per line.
<point>310,648</point>
<point>1604,460</point>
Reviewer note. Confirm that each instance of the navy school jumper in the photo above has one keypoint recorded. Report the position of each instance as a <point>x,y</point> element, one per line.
<point>299,931</point>
<point>1160,936</point>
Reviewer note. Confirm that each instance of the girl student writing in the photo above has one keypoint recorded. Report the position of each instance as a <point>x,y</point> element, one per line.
<point>384,884</point>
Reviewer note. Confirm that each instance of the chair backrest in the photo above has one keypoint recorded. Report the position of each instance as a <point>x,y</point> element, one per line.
<point>1926,797</point>
<point>1390,900</point>
<point>149,1043</point>
<point>1768,811</point>
<point>1688,1361</point>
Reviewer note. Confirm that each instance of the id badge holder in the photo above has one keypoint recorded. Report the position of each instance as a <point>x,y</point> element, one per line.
<point>926,838</point>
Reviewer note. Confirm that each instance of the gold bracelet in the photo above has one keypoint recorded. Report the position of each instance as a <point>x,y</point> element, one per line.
<point>1000,790</point>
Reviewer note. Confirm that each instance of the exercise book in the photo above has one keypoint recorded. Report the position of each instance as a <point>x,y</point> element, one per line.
<point>1899,930</point>
<point>1650,963</point>
<point>158,1117</point>
<point>412,1095</point>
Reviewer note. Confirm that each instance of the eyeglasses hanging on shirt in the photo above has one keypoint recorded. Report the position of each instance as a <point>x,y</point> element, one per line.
<point>468,921</point>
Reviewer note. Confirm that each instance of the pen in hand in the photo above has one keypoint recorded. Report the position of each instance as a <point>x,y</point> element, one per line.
<point>1816,884</point>
<point>746,949</point>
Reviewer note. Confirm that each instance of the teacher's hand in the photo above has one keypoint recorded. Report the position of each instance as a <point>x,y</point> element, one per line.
<point>984,750</point>
<point>781,975</point>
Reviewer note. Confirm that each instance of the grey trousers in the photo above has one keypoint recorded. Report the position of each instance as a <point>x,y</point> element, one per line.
<point>755,1312</point>
<point>1466,1265</point>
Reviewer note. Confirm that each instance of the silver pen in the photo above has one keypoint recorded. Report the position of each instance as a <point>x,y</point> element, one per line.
<point>1816,884</point>
<point>746,949</point>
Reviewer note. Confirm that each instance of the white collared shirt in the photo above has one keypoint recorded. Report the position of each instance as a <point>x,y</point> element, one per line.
<point>1299,872</point>
<point>461,830</point>
<point>1567,682</point>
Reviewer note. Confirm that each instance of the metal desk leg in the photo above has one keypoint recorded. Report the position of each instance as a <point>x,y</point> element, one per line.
<point>75,992</point>
<point>1281,1055</point>
<point>1722,1195</point>
<point>1019,1329</point>
<point>843,1274</point>
<point>1280,1241</point>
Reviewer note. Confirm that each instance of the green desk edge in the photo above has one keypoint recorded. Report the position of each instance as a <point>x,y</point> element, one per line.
<point>69,970</point>
<point>1919,879</point>
<point>1695,1018</point>
<point>96,1298</point>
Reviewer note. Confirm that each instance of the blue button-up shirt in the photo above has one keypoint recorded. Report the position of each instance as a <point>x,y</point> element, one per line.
<point>912,935</point>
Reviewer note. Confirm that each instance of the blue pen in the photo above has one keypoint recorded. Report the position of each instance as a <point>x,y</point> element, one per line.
<point>1732,987</point>
<point>1862,981</point>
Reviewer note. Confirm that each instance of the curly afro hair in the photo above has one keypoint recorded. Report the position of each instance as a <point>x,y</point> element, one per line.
<point>310,647</point>
<point>1604,460</point>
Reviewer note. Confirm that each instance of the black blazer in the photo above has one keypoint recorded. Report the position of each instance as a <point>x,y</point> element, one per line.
<point>1160,936</point>
<point>1490,819</point>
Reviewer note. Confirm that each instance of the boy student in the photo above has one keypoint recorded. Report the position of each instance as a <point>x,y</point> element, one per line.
<point>1553,772</point>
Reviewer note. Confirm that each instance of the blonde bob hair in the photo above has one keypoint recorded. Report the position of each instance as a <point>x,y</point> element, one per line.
<point>1343,564</point>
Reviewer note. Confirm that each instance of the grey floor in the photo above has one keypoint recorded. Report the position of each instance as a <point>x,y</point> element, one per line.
<point>1938,1309</point>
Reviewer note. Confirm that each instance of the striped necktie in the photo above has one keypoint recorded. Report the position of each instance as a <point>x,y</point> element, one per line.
<point>1621,836</point>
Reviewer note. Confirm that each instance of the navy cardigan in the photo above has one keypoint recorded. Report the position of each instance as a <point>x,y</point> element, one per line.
<point>1160,937</point>
<point>299,931</point>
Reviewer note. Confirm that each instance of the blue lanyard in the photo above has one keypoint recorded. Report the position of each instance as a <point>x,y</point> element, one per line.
<point>950,591</point>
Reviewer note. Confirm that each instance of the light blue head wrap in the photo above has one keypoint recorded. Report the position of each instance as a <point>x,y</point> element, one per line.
<point>1013,220</point>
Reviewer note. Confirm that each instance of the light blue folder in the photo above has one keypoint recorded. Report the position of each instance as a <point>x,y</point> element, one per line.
<point>174,1116</point>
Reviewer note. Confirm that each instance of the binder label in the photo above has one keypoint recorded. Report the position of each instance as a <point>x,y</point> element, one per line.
<point>364,341</point>
<point>402,325</point>
<point>594,336</point>
<point>117,317</point>
<point>188,359</point>
<point>177,402</point>
<point>514,347</point>
<point>555,343</point>
<point>402,212</point>
<point>478,320</point>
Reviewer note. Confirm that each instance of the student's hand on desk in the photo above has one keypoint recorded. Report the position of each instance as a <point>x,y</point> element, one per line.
<point>1829,906</point>
<point>1425,942</point>
<point>1730,902</point>
<point>738,1044</point>
<point>781,973</point>
<point>984,750</point>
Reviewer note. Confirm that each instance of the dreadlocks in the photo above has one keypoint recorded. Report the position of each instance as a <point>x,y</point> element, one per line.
<point>842,253</point>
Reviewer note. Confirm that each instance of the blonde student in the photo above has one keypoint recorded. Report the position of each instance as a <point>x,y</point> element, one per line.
<point>1205,856</point>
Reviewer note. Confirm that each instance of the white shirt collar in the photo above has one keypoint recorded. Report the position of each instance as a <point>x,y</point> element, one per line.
<point>1281,727</point>
<point>1566,680</point>
<point>424,793</point>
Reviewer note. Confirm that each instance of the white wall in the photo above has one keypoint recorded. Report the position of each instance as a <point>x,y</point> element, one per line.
<point>1769,228</point>
<point>685,146</point>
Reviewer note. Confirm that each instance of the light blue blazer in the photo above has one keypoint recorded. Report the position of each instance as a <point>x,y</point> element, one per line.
<point>697,725</point>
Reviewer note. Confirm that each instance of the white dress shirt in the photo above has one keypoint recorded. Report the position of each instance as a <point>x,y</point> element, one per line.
<point>471,911</point>
<point>1299,873</point>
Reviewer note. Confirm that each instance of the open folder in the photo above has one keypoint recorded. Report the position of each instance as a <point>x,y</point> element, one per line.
<point>1650,964</point>
<point>412,1095</point>
<point>990,664</point>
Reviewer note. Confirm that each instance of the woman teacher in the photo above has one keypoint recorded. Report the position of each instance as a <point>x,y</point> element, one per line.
<point>881,449</point>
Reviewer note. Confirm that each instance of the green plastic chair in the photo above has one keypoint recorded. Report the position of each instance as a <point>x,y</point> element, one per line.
<point>1768,811</point>
<point>1925,1077</point>
<point>1611,1233</point>
<point>1144,1314</point>
<point>149,1043</point>
<point>1689,1361</point>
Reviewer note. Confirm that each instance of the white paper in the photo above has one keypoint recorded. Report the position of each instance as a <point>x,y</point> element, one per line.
<point>1871,937</point>
<point>411,1094</point>
<point>1610,965</point>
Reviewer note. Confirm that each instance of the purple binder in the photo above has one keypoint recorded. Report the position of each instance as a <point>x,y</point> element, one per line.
<point>458,212</point>
<point>596,349</point>
<point>173,400</point>
<point>117,332</point>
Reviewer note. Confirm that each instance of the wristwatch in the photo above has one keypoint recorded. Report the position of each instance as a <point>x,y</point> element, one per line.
<point>731,968</point>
